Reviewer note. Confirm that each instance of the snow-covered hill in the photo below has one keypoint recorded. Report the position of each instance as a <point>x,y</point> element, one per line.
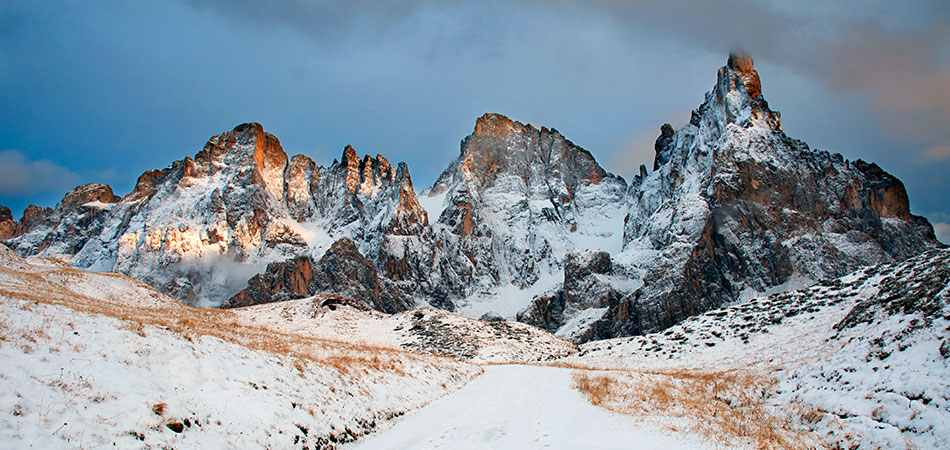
<point>427,331</point>
<point>861,361</point>
<point>101,360</point>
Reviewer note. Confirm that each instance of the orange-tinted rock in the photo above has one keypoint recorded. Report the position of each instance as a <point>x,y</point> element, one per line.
<point>86,193</point>
<point>7,224</point>
<point>740,61</point>
<point>496,125</point>
<point>32,216</point>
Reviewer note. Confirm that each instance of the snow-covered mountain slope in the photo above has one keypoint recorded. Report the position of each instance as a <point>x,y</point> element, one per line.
<point>200,228</point>
<point>862,360</point>
<point>100,360</point>
<point>735,207</point>
<point>427,331</point>
<point>512,204</point>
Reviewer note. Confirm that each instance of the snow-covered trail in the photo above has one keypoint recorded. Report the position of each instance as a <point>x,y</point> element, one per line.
<point>522,407</point>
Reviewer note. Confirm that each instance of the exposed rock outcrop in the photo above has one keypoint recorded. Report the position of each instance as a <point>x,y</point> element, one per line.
<point>512,205</point>
<point>342,270</point>
<point>7,224</point>
<point>575,310</point>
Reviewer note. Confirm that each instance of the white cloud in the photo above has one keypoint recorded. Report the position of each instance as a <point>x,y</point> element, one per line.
<point>943,231</point>
<point>21,176</point>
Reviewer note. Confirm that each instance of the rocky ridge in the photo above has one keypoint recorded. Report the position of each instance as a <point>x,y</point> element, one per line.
<point>201,227</point>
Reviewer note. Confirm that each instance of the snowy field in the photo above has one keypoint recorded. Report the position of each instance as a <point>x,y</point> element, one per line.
<point>94,360</point>
<point>524,407</point>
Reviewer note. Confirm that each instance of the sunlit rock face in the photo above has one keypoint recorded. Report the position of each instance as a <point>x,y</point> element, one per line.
<point>200,228</point>
<point>7,224</point>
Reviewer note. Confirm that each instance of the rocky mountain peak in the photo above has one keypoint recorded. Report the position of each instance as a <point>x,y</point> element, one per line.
<point>496,125</point>
<point>734,206</point>
<point>740,61</point>
<point>87,193</point>
<point>255,155</point>
<point>500,148</point>
<point>736,98</point>
<point>246,139</point>
<point>368,174</point>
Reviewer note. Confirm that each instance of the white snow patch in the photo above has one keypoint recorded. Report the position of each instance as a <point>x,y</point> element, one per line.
<point>508,300</point>
<point>433,205</point>
<point>580,322</point>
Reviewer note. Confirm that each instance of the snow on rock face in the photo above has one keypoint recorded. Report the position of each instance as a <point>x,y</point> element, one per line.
<point>516,200</point>
<point>202,227</point>
<point>592,285</point>
<point>734,204</point>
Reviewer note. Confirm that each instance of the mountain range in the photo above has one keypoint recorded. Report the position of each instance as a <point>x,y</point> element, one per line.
<point>524,225</point>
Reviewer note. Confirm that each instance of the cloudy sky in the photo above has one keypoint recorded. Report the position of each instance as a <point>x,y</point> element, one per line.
<point>100,91</point>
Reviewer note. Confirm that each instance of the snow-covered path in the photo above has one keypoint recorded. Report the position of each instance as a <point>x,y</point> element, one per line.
<point>522,407</point>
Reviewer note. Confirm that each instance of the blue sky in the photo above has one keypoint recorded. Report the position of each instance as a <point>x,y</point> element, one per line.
<point>101,91</point>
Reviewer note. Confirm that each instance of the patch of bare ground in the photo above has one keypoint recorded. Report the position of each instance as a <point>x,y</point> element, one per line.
<point>727,406</point>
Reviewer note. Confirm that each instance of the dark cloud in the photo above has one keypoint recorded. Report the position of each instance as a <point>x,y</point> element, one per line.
<point>325,19</point>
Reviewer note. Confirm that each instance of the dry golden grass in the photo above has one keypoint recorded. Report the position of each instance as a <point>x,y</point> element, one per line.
<point>50,286</point>
<point>728,406</point>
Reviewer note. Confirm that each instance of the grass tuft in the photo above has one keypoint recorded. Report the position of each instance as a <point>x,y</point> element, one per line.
<point>728,406</point>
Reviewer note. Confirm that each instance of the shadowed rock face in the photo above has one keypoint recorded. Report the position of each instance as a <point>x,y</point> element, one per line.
<point>342,270</point>
<point>586,285</point>
<point>286,280</point>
